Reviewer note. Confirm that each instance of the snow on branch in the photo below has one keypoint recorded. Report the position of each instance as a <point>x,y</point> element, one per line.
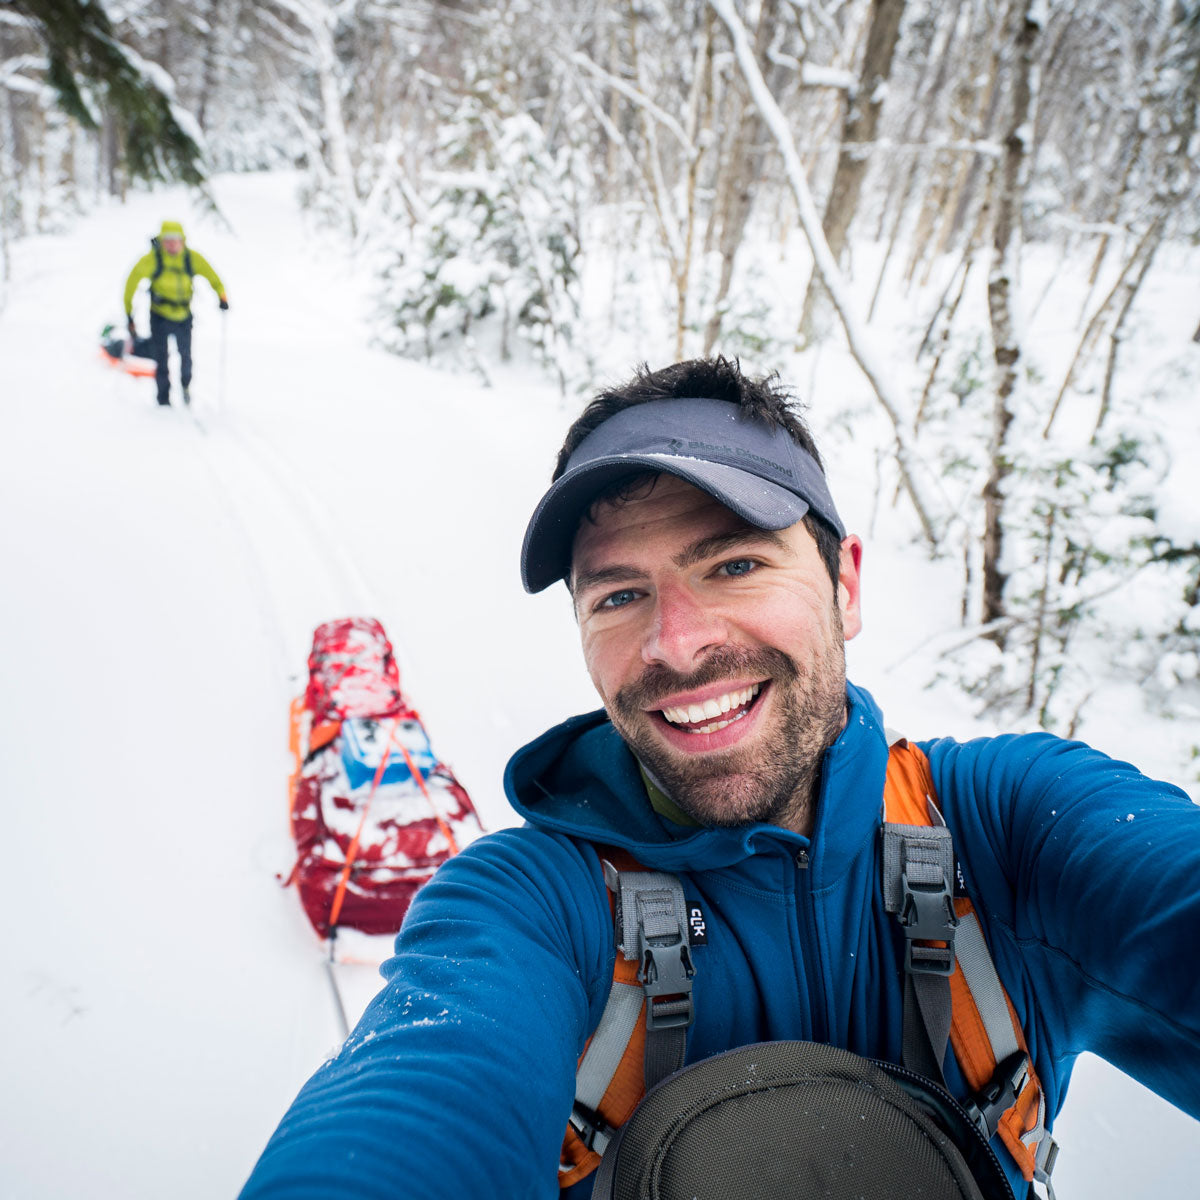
<point>636,163</point>
<point>940,145</point>
<point>163,83</point>
<point>20,83</point>
<point>11,68</point>
<point>1099,228</point>
<point>861,346</point>
<point>643,101</point>
<point>296,45</point>
<point>812,74</point>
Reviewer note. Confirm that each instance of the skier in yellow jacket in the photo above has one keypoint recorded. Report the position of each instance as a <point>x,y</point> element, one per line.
<point>169,267</point>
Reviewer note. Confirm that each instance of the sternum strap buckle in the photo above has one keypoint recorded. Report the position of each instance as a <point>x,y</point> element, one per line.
<point>918,875</point>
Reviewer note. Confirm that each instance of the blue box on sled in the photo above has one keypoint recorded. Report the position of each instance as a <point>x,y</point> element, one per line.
<point>365,741</point>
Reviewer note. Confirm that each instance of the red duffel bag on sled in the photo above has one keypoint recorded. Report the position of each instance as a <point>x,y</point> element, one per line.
<point>374,811</point>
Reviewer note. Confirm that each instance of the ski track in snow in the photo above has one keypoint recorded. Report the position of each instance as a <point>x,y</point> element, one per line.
<point>163,577</point>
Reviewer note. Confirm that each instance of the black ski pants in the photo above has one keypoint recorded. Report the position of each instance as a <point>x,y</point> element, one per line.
<point>160,331</point>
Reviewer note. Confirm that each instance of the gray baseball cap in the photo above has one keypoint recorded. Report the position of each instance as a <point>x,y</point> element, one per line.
<point>755,470</point>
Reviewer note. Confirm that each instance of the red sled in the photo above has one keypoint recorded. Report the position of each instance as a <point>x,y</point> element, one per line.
<point>374,811</point>
<point>135,356</point>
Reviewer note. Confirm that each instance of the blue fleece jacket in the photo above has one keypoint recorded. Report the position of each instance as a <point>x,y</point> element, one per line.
<point>458,1080</point>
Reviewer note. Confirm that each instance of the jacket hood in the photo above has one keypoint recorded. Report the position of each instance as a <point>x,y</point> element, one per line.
<point>170,229</point>
<point>580,779</point>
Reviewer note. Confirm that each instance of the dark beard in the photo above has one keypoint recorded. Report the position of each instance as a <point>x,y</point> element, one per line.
<point>738,786</point>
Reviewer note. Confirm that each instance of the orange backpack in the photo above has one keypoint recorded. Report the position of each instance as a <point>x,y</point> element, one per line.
<point>952,991</point>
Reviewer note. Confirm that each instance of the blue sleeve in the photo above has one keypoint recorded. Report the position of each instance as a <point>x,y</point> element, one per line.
<point>459,1078</point>
<point>1088,878</point>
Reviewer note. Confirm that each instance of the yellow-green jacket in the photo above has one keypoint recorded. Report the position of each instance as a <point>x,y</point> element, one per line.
<point>170,284</point>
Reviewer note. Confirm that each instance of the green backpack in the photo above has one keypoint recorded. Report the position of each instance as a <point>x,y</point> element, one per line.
<point>784,1120</point>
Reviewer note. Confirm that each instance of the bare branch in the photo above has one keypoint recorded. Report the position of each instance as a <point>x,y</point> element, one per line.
<point>861,346</point>
<point>639,98</point>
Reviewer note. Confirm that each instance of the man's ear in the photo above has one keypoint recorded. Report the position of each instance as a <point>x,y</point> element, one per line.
<point>849,585</point>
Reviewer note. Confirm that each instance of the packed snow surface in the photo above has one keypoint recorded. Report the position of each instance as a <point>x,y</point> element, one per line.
<point>164,997</point>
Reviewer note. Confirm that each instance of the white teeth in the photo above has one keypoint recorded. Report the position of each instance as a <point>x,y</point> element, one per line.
<point>716,725</point>
<point>692,714</point>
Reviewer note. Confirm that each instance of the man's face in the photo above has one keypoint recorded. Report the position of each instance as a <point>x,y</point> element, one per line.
<point>717,649</point>
<point>172,245</point>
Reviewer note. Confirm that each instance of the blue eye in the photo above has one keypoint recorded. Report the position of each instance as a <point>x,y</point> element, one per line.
<point>619,599</point>
<point>739,566</point>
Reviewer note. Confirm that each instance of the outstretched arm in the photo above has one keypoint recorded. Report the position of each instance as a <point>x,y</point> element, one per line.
<point>1088,874</point>
<point>460,1076</point>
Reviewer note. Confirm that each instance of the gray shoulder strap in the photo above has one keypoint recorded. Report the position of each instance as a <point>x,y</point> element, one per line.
<point>651,922</point>
<point>919,870</point>
<point>652,928</point>
<point>918,887</point>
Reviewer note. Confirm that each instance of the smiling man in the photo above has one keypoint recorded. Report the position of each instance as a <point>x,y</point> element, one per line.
<point>715,645</point>
<point>731,796</point>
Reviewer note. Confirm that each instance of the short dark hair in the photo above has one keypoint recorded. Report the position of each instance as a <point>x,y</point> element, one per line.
<point>719,378</point>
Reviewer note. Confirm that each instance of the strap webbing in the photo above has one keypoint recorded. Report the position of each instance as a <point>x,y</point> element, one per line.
<point>986,989</point>
<point>608,1043</point>
<point>666,1048</point>
<point>335,908</point>
<point>989,1045</point>
<point>653,972</point>
<point>918,874</point>
<point>651,924</point>
<point>926,1029</point>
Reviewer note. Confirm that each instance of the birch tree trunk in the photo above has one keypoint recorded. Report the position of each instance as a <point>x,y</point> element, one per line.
<point>318,19</point>
<point>925,103</point>
<point>861,347</point>
<point>1002,285</point>
<point>858,132</point>
<point>937,336</point>
<point>676,228</point>
<point>1115,338</point>
<point>1173,170</point>
<point>110,156</point>
<point>954,177</point>
<point>1095,326</point>
<point>9,207</point>
<point>738,169</point>
<point>208,75</point>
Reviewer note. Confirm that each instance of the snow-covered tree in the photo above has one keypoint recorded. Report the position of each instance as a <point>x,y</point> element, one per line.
<point>492,260</point>
<point>700,158</point>
<point>90,69</point>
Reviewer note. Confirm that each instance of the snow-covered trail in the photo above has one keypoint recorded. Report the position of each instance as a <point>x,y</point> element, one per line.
<point>161,586</point>
<point>164,998</point>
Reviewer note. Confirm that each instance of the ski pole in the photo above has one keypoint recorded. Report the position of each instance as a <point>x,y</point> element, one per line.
<point>225,313</point>
<point>343,1024</point>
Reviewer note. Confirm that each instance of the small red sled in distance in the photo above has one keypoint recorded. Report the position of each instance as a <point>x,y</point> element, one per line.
<point>135,356</point>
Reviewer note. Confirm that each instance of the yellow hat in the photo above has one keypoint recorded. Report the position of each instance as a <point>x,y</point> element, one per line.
<point>171,229</point>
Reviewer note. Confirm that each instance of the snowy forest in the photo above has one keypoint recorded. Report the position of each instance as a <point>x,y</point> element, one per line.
<point>528,175</point>
<point>915,183</point>
<point>965,233</point>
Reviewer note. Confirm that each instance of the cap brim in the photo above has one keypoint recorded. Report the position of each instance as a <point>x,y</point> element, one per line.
<point>546,553</point>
